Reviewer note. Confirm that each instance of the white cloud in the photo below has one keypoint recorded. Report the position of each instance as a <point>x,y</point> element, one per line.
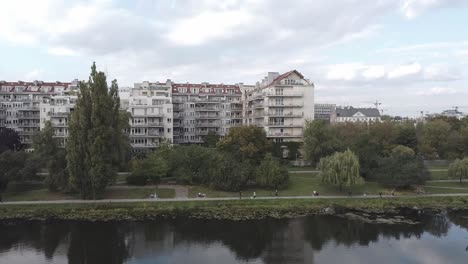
<point>405,70</point>
<point>62,51</point>
<point>35,74</point>
<point>374,72</point>
<point>414,8</point>
<point>346,72</point>
<point>208,26</point>
<point>437,91</point>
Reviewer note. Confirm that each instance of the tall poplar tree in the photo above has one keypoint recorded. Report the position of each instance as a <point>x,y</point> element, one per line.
<point>97,141</point>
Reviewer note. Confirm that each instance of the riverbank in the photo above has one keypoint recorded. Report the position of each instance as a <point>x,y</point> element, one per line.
<point>228,209</point>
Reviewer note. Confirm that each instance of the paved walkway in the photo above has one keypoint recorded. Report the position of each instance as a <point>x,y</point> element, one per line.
<point>222,199</point>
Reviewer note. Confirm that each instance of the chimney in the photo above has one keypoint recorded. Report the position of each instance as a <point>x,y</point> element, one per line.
<point>272,76</point>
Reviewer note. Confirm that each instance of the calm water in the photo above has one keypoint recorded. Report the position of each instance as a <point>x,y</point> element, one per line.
<point>316,239</point>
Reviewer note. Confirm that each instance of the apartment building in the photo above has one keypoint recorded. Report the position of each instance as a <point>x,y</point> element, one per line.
<point>201,109</point>
<point>20,105</point>
<point>325,112</point>
<point>151,115</point>
<point>57,109</point>
<point>280,104</point>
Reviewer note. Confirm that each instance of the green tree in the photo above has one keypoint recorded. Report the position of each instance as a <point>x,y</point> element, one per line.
<point>48,153</point>
<point>211,140</point>
<point>11,166</point>
<point>341,169</point>
<point>227,173</point>
<point>271,173</point>
<point>96,140</point>
<point>407,136</point>
<point>319,141</point>
<point>152,168</point>
<point>246,143</point>
<point>458,169</point>
<point>9,140</point>
<point>401,169</point>
<point>434,139</point>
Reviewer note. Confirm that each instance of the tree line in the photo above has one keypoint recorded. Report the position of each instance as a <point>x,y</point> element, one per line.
<point>242,159</point>
<point>391,153</point>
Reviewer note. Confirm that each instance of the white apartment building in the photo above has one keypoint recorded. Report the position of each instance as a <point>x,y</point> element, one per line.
<point>356,115</point>
<point>280,104</point>
<point>201,109</point>
<point>57,109</point>
<point>151,115</point>
<point>20,104</point>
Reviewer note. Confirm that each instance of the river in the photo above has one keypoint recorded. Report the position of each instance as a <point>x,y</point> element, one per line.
<point>439,239</point>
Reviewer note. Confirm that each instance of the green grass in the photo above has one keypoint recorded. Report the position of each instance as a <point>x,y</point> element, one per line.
<point>436,190</point>
<point>300,184</point>
<point>457,184</point>
<point>138,193</point>
<point>439,175</point>
<point>46,195</point>
<point>437,167</point>
<point>306,168</point>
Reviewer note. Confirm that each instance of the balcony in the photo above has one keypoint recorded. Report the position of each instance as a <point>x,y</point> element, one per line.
<point>203,124</point>
<point>63,124</point>
<point>206,108</point>
<point>148,115</point>
<point>289,114</point>
<point>285,94</point>
<point>29,125</point>
<point>25,117</point>
<point>60,134</point>
<point>144,145</point>
<point>257,105</point>
<point>284,135</point>
<point>208,117</point>
<point>286,105</point>
<point>279,124</point>
<point>155,124</point>
<point>27,133</point>
<point>58,114</point>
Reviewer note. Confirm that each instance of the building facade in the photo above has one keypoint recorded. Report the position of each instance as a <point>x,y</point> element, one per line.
<point>57,109</point>
<point>203,109</point>
<point>280,104</point>
<point>20,104</point>
<point>325,112</point>
<point>357,115</point>
<point>151,115</point>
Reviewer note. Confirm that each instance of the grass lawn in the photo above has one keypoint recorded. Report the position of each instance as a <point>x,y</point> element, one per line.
<point>138,193</point>
<point>306,168</point>
<point>437,167</point>
<point>300,184</point>
<point>437,190</point>
<point>46,195</point>
<point>457,184</point>
<point>439,175</point>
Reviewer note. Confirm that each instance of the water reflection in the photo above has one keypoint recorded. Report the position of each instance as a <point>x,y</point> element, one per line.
<point>300,240</point>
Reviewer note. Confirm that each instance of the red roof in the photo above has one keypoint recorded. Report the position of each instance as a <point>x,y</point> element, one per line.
<point>284,75</point>
<point>39,84</point>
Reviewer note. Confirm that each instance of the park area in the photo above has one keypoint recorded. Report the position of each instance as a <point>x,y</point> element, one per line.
<point>302,182</point>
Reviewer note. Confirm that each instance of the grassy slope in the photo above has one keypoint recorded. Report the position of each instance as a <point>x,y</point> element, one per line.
<point>235,209</point>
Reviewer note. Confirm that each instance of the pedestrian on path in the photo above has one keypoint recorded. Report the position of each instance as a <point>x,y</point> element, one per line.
<point>380,193</point>
<point>276,192</point>
<point>393,192</point>
<point>254,195</point>
<point>240,195</point>
<point>1,201</point>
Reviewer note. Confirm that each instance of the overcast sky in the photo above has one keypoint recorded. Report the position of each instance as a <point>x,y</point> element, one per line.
<point>412,55</point>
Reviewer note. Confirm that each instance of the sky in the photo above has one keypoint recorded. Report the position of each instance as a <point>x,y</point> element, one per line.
<point>410,55</point>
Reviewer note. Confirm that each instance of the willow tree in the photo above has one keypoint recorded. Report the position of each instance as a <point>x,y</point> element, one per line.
<point>458,169</point>
<point>96,140</point>
<point>341,169</point>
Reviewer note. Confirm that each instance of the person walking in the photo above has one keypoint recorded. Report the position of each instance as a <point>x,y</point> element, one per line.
<point>393,192</point>
<point>276,192</point>
<point>240,195</point>
<point>254,195</point>
<point>380,193</point>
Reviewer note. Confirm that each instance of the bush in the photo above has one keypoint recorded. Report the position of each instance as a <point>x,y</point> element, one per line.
<point>401,169</point>
<point>134,179</point>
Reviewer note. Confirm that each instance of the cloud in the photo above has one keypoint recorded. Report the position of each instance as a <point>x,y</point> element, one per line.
<point>437,91</point>
<point>405,70</point>
<point>35,74</point>
<point>61,51</point>
<point>414,8</point>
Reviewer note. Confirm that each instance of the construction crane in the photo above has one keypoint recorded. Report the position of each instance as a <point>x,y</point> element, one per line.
<point>376,103</point>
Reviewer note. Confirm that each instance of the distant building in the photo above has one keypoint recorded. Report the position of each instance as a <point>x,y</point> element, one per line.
<point>325,112</point>
<point>355,115</point>
<point>453,113</point>
<point>57,109</point>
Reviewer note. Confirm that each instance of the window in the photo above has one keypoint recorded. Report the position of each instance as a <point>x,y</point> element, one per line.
<point>168,130</point>
<point>169,120</point>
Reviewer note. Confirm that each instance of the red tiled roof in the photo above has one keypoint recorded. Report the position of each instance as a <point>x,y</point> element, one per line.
<point>29,85</point>
<point>284,75</point>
